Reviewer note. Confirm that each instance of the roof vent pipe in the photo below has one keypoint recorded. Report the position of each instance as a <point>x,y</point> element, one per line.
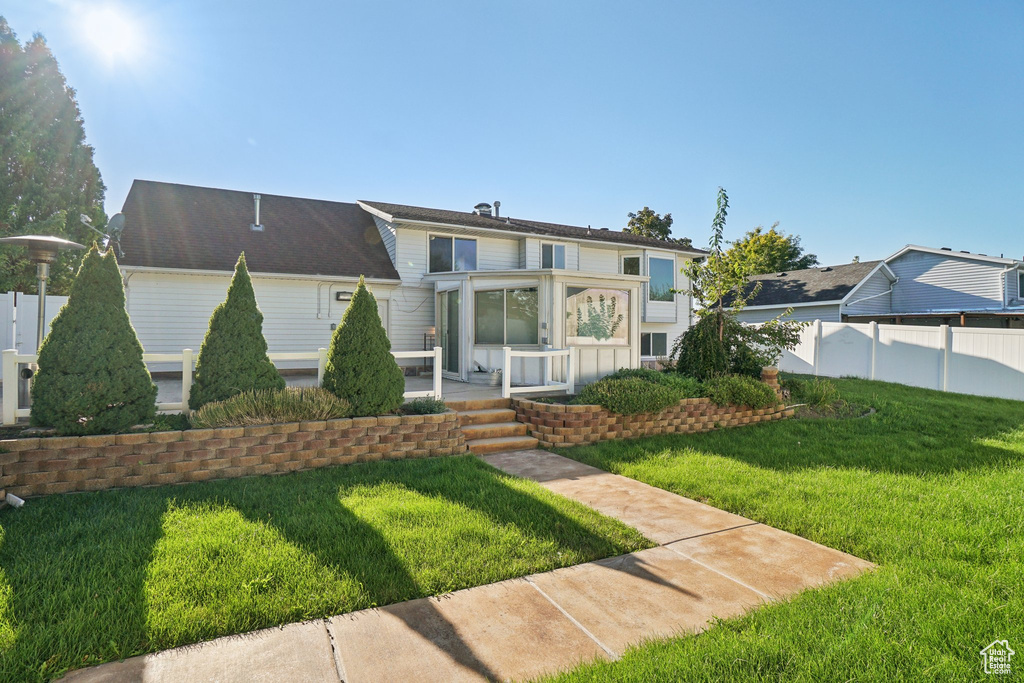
<point>257,226</point>
<point>497,205</point>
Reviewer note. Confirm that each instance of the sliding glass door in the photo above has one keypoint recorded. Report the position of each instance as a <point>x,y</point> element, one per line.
<point>448,315</point>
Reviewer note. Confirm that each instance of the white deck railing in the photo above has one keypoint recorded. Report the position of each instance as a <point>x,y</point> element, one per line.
<point>568,385</point>
<point>12,359</point>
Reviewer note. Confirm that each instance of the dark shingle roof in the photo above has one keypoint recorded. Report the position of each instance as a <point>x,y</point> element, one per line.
<point>401,212</point>
<point>181,226</point>
<point>812,285</point>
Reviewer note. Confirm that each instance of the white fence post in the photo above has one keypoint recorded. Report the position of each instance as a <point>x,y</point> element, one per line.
<point>817,345</point>
<point>10,377</point>
<point>570,372</point>
<point>506,371</point>
<point>186,379</point>
<point>321,366</point>
<point>437,372</point>
<point>947,352</point>
<point>874,347</point>
<point>546,378</point>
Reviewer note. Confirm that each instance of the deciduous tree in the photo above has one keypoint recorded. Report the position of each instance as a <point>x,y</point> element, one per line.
<point>771,251</point>
<point>647,223</point>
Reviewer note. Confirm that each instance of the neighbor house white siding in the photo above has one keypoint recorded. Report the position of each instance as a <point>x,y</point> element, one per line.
<point>876,287</point>
<point>933,282</point>
<point>825,312</point>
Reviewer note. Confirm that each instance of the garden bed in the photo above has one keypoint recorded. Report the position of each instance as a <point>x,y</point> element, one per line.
<point>560,426</point>
<point>62,464</point>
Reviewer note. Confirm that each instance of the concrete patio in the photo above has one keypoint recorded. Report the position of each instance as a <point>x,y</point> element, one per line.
<point>709,564</point>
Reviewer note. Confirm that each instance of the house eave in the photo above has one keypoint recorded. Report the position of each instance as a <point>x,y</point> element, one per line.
<point>279,276</point>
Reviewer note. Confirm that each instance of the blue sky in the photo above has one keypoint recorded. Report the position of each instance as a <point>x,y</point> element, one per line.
<point>859,126</point>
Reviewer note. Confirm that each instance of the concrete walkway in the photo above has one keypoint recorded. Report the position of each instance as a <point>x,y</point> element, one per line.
<point>709,564</point>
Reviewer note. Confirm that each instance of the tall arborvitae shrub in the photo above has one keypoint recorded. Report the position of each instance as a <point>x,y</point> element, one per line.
<point>233,357</point>
<point>91,377</point>
<point>360,367</point>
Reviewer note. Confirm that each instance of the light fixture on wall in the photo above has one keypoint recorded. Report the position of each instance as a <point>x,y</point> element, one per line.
<point>343,296</point>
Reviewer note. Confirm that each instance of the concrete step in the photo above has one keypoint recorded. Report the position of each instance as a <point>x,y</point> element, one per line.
<point>493,430</point>
<point>500,444</point>
<point>486,416</point>
<point>479,404</point>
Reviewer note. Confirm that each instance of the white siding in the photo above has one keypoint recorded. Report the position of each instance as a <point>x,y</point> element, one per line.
<point>597,260</point>
<point>875,286</point>
<point>933,282</point>
<point>827,312</point>
<point>171,312</point>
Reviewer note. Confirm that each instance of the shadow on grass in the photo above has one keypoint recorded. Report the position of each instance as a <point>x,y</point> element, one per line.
<point>77,565</point>
<point>914,431</point>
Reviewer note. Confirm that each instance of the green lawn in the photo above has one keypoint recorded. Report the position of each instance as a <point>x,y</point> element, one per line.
<point>931,488</point>
<point>88,578</point>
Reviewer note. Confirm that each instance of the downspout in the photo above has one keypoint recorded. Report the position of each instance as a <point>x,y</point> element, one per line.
<point>875,296</point>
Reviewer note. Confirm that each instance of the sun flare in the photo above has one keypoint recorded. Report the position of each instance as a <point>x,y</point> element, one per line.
<point>111,32</point>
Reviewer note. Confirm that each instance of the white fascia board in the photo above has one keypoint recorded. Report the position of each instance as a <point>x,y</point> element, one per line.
<point>375,212</point>
<point>957,254</point>
<point>515,233</point>
<point>528,272</point>
<point>882,266</point>
<point>277,276</point>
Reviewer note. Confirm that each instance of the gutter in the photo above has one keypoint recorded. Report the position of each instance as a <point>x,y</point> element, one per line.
<point>275,276</point>
<point>875,296</point>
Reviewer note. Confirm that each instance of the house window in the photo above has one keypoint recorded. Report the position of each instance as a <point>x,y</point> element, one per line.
<point>662,272</point>
<point>552,256</point>
<point>506,316</point>
<point>630,265</point>
<point>449,254</point>
<point>594,315</point>
<point>653,344</point>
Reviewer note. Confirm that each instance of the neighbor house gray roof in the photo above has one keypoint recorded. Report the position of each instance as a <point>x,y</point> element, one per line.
<point>402,212</point>
<point>813,285</point>
<point>199,228</point>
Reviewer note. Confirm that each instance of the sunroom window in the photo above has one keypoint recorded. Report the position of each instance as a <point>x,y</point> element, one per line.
<point>506,316</point>
<point>552,256</point>
<point>447,254</point>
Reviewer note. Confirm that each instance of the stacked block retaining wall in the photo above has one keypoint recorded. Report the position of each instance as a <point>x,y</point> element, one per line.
<point>41,466</point>
<point>562,426</point>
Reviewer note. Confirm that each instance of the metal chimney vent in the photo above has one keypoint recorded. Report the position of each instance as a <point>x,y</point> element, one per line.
<point>482,209</point>
<point>256,226</point>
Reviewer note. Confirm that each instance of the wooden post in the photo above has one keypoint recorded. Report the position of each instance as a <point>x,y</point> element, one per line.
<point>186,379</point>
<point>321,366</point>
<point>506,372</point>
<point>10,391</point>
<point>947,352</point>
<point>437,372</point>
<point>817,345</point>
<point>874,347</point>
<point>570,371</point>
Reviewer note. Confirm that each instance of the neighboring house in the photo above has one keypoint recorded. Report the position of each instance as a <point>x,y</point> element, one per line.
<point>471,282</point>
<point>915,286</point>
<point>828,293</point>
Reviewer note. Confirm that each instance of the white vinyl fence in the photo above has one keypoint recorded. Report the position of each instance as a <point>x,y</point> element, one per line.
<point>967,360</point>
<point>18,314</point>
<point>12,359</point>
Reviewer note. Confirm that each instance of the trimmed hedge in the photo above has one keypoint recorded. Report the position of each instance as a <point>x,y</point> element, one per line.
<point>628,395</point>
<point>740,390</point>
<point>233,357</point>
<point>269,406</point>
<point>91,378</point>
<point>687,387</point>
<point>424,406</point>
<point>360,367</point>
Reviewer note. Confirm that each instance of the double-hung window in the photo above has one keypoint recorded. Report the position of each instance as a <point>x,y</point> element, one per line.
<point>447,254</point>
<point>663,279</point>
<point>506,316</point>
<point>552,256</point>
<point>653,344</point>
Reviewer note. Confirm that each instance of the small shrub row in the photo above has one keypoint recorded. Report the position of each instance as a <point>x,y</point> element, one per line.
<point>265,406</point>
<point>628,395</point>
<point>424,406</point>
<point>739,390</point>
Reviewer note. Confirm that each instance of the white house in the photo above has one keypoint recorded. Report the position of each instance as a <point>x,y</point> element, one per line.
<point>471,282</point>
<point>916,285</point>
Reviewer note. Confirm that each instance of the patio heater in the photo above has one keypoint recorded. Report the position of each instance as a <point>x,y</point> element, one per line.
<point>42,250</point>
